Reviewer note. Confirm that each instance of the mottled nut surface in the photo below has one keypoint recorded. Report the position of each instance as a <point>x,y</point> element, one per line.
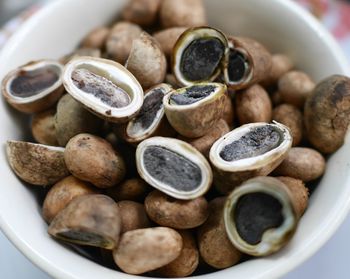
<point>62,193</point>
<point>142,12</point>
<point>185,264</point>
<point>327,113</point>
<point>295,87</point>
<point>178,214</point>
<point>292,117</point>
<point>133,216</point>
<point>214,245</point>
<point>134,189</point>
<point>302,163</point>
<point>167,39</point>
<point>253,105</point>
<point>144,250</point>
<point>96,38</point>
<point>120,40</point>
<point>93,159</point>
<point>43,127</point>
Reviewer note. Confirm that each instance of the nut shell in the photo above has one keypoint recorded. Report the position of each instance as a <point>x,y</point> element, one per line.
<point>281,64</point>
<point>167,39</point>
<point>96,38</point>
<point>142,12</point>
<point>133,216</point>
<point>134,189</point>
<point>43,127</point>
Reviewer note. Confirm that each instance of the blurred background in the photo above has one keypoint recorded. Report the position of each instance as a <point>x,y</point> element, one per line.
<point>330,262</point>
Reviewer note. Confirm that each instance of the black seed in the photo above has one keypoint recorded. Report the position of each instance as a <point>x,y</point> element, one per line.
<point>201,58</point>
<point>254,214</point>
<point>256,142</point>
<point>30,83</point>
<point>237,66</point>
<point>172,168</point>
<point>192,94</point>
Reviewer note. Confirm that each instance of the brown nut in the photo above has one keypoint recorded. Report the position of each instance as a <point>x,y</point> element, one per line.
<point>142,12</point>
<point>185,264</point>
<point>276,98</point>
<point>146,61</point>
<point>300,193</point>
<point>36,164</point>
<point>253,105</point>
<point>188,13</point>
<point>167,39</point>
<point>93,159</point>
<point>96,38</point>
<point>133,216</point>
<point>62,193</point>
<point>72,119</point>
<point>204,143</point>
<point>143,250</point>
<point>327,113</point>
<point>295,87</point>
<point>92,220</point>
<point>171,80</point>
<point>43,127</point>
<point>302,163</point>
<point>119,41</point>
<point>178,214</point>
<point>228,114</point>
<point>281,64</point>
<point>292,117</point>
<point>214,246</point>
<point>134,189</point>
<point>92,52</point>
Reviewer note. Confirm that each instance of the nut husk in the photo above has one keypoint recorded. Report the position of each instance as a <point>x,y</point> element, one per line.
<point>142,12</point>
<point>93,159</point>
<point>133,216</point>
<point>96,38</point>
<point>144,250</point>
<point>327,113</point>
<point>167,39</point>
<point>92,220</point>
<point>36,164</point>
<point>134,189</point>
<point>43,127</point>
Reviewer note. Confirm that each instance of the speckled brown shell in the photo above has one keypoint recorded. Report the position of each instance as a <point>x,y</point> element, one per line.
<point>62,193</point>
<point>96,38</point>
<point>167,39</point>
<point>253,105</point>
<point>96,214</point>
<point>133,216</point>
<point>134,189</point>
<point>143,250</point>
<point>146,61</point>
<point>43,127</point>
<point>188,13</point>
<point>327,113</point>
<point>142,12</point>
<point>215,247</point>
<point>36,164</point>
<point>178,214</point>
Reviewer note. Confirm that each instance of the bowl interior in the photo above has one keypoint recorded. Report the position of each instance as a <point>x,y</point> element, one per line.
<point>279,24</point>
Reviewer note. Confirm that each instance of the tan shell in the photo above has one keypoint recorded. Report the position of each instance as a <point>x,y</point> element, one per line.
<point>96,38</point>
<point>177,214</point>
<point>142,12</point>
<point>229,113</point>
<point>134,189</point>
<point>42,99</point>
<point>93,159</point>
<point>197,119</point>
<point>43,127</point>
<point>167,39</point>
<point>253,105</point>
<point>85,216</point>
<point>281,64</point>
<point>61,194</point>
<point>302,163</point>
<point>273,239</point>
<point>143,250</point>
<point>36,164</point>
<point>120,40</point>
<point>228,175</point>
<point>214,245</point>
<point>133,216</point>
<point>147,61</point>
<point>182,13</point>
<point>92,52</point>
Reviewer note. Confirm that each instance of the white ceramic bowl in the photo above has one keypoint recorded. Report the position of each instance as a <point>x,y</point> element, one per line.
<point>280,24</point>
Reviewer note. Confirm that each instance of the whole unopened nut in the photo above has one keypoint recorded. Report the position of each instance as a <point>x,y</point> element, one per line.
<point>142,12</point>
<point>185,264</point>
<point>93,159</point>
<point>214,245</point>
<point>302,163</point>
<point>292,117</point>
<point>92,52</point>
<point>188,13</point>
<point>295,87</point>
<point>134,189</point>
<point>281,64</point>
<point>119,41</point>
<point>178,214</point>
<point>61,194</point>
<point>143,250</point>
<point>133,216</point>
<point>167,39</point>
<point>96,38</point>
<point>253,105</point>
<point>43,127</point>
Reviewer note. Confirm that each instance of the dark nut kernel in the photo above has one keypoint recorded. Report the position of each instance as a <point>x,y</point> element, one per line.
<point>93,159</point>
<point>142,12</point>
<point>43,127</point>
<point>178,214</point>
<point>302,163</point>
<point>133,216</point>
<point>96,38</point>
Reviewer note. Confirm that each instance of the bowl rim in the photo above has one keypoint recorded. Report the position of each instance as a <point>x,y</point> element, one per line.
<point>278,270</point>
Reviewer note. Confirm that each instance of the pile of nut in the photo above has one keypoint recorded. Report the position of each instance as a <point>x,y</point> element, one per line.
<point>177,151</point>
